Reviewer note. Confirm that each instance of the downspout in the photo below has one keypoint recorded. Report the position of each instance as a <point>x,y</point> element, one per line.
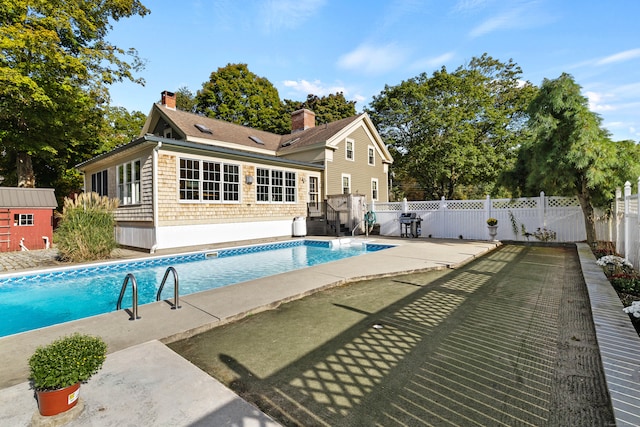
<point>155,196</point>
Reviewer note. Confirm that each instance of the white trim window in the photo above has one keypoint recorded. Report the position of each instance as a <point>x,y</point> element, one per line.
<point>99,183</point>
<point>21,220</point>
<point>314,192</point>
<point>374,188</point>
<point>128,182</point>
<point>371,155</point>
<point>346,183</point>
<point>205,181</point>
<point>349,149</point>
<point>275,186</point>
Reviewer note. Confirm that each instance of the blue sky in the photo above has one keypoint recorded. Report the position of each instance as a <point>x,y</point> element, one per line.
<point>358,47</point>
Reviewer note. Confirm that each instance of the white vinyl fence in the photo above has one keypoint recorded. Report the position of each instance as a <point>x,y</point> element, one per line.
<point>623,227</point>
<point>467,219</point>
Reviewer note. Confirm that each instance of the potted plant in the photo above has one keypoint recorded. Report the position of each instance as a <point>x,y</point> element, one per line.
<point>492,224</point>
<point>57,369</point>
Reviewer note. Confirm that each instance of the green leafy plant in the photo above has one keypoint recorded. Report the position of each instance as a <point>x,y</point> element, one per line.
<point>626,282</point>
<point>492,221</point>
<point>66,361</point>
<point>544,234</point>
<point>86,230</point>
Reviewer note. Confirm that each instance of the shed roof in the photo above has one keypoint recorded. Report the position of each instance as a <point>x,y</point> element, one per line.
<point>18,197</point>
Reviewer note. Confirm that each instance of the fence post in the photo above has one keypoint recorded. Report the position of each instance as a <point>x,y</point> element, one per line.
<point>405,205</point>
<point>487,207</point>
<point>615,220</point>
<point>542,211</point>
<point>636,236</point>
<point>627,194</point>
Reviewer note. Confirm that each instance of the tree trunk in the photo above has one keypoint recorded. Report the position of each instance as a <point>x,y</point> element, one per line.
<point>26,177</point>
<point>587,212</point>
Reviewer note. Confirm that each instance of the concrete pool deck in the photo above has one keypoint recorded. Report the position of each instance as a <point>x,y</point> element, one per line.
<point>131,353</point>
<point>143,382</point>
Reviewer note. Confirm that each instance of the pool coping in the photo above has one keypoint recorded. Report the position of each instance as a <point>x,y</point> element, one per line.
<point>208,309</point>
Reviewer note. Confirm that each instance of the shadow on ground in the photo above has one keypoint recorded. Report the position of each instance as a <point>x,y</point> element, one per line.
<point>506,340</point>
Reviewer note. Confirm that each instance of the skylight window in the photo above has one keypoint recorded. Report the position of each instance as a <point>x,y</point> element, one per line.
<point>256,140</point>
<point>288,143</point>
<point>202,128</point>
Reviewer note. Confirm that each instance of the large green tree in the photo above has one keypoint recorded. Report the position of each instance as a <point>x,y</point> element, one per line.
<point>569,152</point>
<point>327,109</point>
<point>453,133</point>
<point>235,94</point>
<point>120,127</point>
<point>55,65</point>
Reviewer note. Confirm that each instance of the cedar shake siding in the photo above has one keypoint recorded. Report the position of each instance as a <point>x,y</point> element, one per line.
<point>203,180</point>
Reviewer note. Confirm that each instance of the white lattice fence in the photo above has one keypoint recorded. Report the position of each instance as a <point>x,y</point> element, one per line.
<point>466,219</point>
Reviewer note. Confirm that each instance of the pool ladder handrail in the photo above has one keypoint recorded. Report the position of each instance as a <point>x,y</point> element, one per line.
<point>134,288</point>
<point>176,286</point>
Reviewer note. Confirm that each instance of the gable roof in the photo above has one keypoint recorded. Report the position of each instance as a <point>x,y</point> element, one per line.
<point>19,197</point>
<point>219,130</point>
<point>206,130</point>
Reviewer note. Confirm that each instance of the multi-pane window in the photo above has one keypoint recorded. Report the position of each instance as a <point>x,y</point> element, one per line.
<point>289,187</point>
<point>349,149</point>
<point>209,181</point>
<point>374,189</point>
<point>231,183</point>
<point>22,219</point>
<point>313,191</point>
<point>189,179</point>
<point>371,156</point>
<point>346,184</point>
<point>275,185</point>
<point>99,183</point>
<point>128,176</point>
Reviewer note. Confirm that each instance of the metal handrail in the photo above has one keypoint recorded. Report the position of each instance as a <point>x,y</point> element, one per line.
<point>134,288</point>
<point>176,296</point>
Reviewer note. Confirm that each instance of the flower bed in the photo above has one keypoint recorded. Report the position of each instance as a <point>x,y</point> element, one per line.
<point>624,279</point>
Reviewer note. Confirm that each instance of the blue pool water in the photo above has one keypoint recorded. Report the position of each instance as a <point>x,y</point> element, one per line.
<point>37,300</point>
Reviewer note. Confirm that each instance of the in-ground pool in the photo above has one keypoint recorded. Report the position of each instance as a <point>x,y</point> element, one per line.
<point>50,297</point>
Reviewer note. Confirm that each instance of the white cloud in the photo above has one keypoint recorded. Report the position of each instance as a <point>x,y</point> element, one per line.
<point>596,102</point>
<point>434,62</point>
<point>316,87</point>
<point>524,15</point>
<point>469,5</point>
<point>620,57</point>
<point>374,59</point>
<point>287,14</point>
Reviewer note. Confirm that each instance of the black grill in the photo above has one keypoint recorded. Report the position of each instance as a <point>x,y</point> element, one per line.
<point>410,225</point>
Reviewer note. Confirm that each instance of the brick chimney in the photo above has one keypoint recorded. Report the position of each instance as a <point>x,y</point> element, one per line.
<point>168,99</point>
<point>302,119</point>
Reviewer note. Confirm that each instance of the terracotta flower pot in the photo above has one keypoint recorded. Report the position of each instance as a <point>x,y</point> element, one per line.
<point>54,402</point>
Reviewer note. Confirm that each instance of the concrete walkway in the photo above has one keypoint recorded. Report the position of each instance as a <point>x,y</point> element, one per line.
<point>145,383</point>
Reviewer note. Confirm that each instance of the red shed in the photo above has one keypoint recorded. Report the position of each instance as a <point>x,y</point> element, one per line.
<point>26,218</point>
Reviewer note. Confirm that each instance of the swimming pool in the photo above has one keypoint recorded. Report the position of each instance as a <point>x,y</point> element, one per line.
<point>51,297</point>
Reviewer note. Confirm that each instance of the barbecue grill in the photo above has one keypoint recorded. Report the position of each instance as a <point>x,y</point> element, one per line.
<point>410,225</point>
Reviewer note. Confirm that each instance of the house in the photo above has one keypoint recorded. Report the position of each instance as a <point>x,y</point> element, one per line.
<point>26,218</point>
<point>192,180</point>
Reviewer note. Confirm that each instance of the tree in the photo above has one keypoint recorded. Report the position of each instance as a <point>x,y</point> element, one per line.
<point>185,100</point>
<point>455,132</point>
<point>55,65</point>
<point>235,94</point>
<point>121,127</point>
<point>327,109</point>
<point>569,152</point>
